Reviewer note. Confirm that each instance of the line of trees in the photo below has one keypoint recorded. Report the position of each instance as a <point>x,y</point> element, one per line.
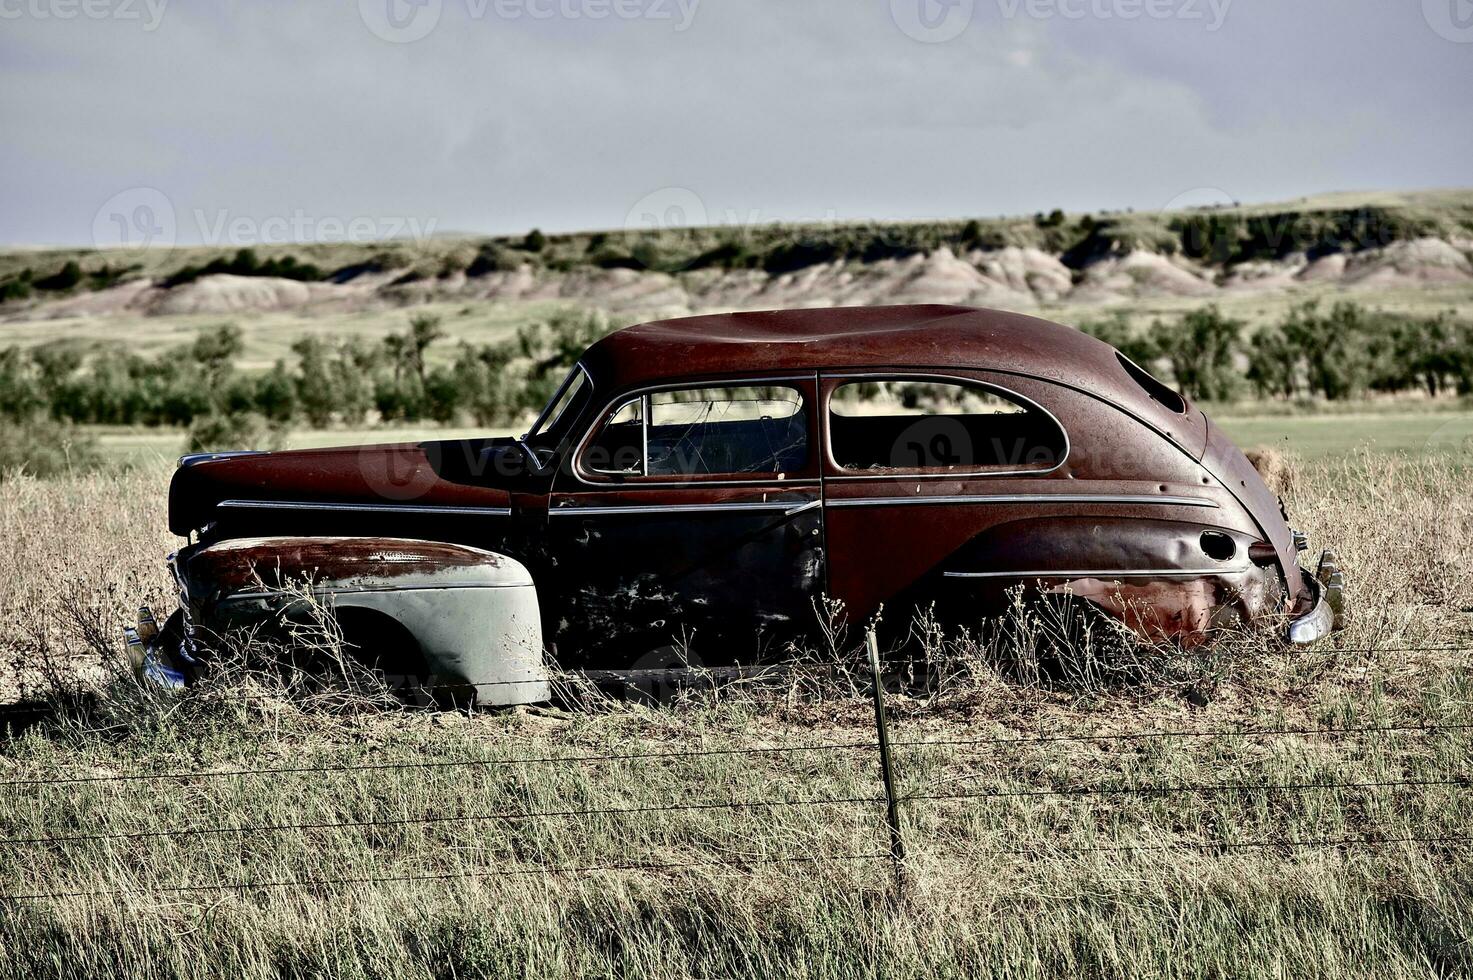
<point>331,381</point>
<point>1333,353</point>
<point>1343,351</point>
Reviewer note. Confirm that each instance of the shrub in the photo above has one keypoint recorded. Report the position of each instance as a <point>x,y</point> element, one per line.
<point>17,288</point>
<point>274,394</point>
<point>1273,364</point>
<point>1116,330</point>
<point>1201,348</point>
<point>247,263</point>
<point>492,258</point>
<point>67,278</point>
<point>221,431</point>
<point>45,448</point>
<point>484,383</point>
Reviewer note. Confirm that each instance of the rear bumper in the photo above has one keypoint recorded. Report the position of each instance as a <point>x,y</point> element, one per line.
<point>1316,624</point>
<point>1327,610</point>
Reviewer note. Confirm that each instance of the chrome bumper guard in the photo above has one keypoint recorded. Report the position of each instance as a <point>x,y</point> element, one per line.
<point>1328,612</point>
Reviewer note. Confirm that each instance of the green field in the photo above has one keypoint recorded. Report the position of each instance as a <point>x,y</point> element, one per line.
<point>1328,436</point>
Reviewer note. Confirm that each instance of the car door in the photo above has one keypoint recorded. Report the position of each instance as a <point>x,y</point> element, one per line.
<point>690,515</point>
<point>918,465</point>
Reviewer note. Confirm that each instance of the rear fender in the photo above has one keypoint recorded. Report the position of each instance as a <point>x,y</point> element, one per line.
<point>1164,579</point>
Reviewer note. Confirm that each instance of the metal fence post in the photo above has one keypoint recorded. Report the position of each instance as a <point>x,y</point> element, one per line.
<point>887,764</point>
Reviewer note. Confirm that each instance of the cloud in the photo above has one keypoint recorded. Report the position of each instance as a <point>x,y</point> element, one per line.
<point>767,109</point>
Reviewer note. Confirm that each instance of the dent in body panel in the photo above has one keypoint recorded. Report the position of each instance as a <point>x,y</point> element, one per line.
<point>1156,576</point>
<point>1183,610</point>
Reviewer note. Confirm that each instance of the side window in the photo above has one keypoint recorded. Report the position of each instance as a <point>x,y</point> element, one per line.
<point>919,424</point>
<point>619,446</point>
<point>719,431</point>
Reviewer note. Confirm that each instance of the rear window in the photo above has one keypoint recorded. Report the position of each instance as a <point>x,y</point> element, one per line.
<point>915,424</point>
<point>1158,391</point>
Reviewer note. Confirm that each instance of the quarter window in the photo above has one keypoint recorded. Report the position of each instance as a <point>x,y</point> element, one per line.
<point>719,431</point>
<point>920,424</point>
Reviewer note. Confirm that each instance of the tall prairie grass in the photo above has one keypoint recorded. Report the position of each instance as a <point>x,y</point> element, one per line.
<point>1112,883</point>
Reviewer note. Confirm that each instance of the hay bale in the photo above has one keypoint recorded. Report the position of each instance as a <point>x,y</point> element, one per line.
<point>1277,470</point>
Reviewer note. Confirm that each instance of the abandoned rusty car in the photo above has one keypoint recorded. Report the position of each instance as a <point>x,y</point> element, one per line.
<point>715,480</point>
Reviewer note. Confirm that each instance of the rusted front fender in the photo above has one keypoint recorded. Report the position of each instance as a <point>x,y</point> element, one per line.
<point>472,615</point>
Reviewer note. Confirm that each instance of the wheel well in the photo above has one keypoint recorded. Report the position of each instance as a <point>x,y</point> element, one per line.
<point>381,642</point>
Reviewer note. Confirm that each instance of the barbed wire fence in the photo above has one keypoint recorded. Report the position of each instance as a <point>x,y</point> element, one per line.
<point>889,801</point>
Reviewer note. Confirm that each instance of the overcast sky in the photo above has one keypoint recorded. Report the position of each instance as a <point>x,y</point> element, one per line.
<point>212,120</point>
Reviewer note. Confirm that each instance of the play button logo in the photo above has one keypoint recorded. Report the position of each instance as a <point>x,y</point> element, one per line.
<point>400,21</point>
<point>1452,19</point>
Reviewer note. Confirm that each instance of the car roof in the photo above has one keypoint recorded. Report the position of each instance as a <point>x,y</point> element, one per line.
<point>862,337</point>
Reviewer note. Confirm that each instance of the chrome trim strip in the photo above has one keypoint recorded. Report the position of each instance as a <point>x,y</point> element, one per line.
<point>362,508</point>
<point>788,507</point>
<point>1030,498</point>
<point>1108,573</point>
<point>567,383</point>
<point>190,459</point>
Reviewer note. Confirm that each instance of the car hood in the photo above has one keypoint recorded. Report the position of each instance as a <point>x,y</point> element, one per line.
<point>451,473</point>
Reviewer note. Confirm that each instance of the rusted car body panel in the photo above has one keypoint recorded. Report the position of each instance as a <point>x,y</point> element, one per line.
<point>1114,509</point>
<point>455,618</point>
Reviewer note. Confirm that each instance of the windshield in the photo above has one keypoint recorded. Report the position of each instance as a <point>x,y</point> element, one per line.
<point>561,411</point>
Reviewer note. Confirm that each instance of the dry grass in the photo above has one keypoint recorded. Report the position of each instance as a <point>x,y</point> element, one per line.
<point>84,550</point>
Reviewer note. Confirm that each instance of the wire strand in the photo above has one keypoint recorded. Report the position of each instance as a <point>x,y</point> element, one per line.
<point>1184,788</point>
<point>442,876</point>
<point>1183,733</point>
<point>446,764</point>
<point>747,750</point>
<point>1282,842</point>
<point>518,815</point>
<point>311,883</point>
<point>511,815</point>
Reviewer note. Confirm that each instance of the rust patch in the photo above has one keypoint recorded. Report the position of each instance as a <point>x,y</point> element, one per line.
<point>236,564</point>
<point>1182,611</point>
